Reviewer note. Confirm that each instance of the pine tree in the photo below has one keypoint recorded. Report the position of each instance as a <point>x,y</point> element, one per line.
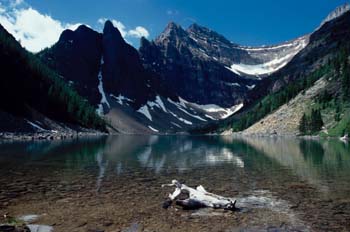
<point>337,113</point>
<point>303,124</point>
<point>346,80</point>
<point>318,121</point>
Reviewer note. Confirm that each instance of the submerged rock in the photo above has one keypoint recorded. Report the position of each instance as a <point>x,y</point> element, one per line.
<point>11,228</point>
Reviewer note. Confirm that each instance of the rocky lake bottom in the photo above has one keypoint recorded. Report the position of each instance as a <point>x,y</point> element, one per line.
<point>114,183</point>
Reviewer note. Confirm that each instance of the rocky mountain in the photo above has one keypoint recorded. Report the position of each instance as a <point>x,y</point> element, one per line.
<point>184,78</point>
<point>317,79</point>
<point>206,68</point>
<point>108,71</point>
<point>33,98</point>
<point>189,71</point>
<point>77,56</point>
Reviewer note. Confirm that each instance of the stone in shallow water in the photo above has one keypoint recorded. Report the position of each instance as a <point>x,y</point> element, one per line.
<point>29,218</point>
<point>10,228</point>
<point>40,228</point>
<point>133,228</point>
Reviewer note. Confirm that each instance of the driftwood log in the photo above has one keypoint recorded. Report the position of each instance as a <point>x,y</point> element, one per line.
<point>195,198</point>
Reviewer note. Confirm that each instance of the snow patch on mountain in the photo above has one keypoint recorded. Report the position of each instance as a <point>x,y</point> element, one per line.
<point>181,119</point>
<point>153,129</point>
<point>36,126</point>
<point>250,87</point>
<point>181,106</point>
<point>281,59</point>
<point>192,115</point>
<point>121,99</point>
<point>223,112</point>
<point>273,58</point>
<point>102,92</point>
<point>210,117</point>
<point>160,103</point>
<point>175,124</point>
<point>150,106</point>
<point>156,103</point>
<point>232,84</point>
<point>215,110</point>
<point>144,110</point>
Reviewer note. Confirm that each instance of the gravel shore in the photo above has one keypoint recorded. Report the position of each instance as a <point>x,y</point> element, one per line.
<point>48,135</point>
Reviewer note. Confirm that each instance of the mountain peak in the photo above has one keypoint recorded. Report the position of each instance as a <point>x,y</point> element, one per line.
<point>172,26</point>
<point>66,35</point>
<point>171,32</point>
<point>81,31</point>
<point>173,29</point>
<point>339,11</point>
<point>197,27</point>
<point>199,32</point>
<point>144,41</point>
<point>108,25</point>
<point>84,28</point>
<point>110,29</point>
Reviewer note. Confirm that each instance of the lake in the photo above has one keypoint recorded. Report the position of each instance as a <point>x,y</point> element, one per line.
<point>114,183</point>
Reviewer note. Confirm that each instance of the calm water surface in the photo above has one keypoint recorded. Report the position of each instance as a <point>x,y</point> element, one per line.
<point>113,183</point>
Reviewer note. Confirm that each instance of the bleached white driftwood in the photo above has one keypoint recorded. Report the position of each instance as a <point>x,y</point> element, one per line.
<point>198,198</point>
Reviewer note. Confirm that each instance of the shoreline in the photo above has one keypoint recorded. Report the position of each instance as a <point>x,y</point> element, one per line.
<point>47,135</point>
<point>63,135</point>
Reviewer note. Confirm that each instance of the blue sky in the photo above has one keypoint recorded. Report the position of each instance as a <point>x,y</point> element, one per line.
<point>247,22</point>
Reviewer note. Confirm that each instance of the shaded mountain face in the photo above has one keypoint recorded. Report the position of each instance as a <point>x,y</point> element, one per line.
<point>76,57</point>
<point>109,73</point>
<point>82,57</point>
<point>33,98</point>
<point>122,70</point>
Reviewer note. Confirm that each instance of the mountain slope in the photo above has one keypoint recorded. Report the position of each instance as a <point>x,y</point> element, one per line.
<point>204,67</point>
<point>286,119</point>
<point>189,72</point>
<point>327,57</point>
<point>131,98</point>
<point>34,98</point>
<point>190,78</point>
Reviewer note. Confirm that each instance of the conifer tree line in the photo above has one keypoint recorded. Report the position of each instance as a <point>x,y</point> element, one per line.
<point>311,124</point>
<point>338,67</point>
<point>273,101</point>
<point>27,83</point>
